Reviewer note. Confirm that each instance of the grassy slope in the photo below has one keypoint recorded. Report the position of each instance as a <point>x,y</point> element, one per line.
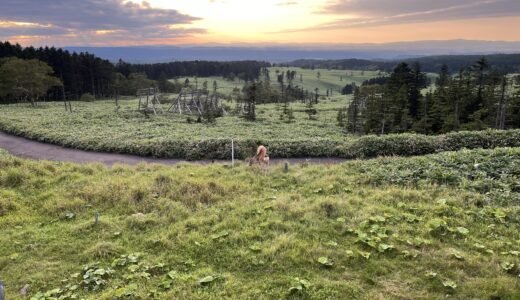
<point>255,234</point>
<point>330,79</point>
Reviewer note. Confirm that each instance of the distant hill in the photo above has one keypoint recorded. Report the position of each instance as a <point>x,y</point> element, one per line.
<point>286,53</point>
<point>503,62</point>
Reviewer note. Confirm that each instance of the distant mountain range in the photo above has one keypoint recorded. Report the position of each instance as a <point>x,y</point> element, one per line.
<point>509,63</point>
<point>287,53</point>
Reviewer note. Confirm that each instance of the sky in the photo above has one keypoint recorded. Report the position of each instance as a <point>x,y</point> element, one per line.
<point>254,22</point>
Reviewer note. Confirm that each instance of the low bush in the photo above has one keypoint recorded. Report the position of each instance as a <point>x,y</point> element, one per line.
<point>363,147</point>
<point>416,144</point>
<point>87,98</point>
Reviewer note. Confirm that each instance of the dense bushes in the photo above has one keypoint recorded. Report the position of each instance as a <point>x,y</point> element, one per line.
<point>361,147</point>
<point>416,144</point>
<point>402,145</point>
<point>87,98</point>
<point>479,139</point>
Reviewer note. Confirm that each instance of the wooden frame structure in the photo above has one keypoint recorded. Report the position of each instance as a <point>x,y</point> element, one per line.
<point>149,100</point>
<point>189,101</point>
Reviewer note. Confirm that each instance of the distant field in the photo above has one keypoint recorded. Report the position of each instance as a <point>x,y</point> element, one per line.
<point>443,226</point>
<point>331,79</point>
<point>334,80</point>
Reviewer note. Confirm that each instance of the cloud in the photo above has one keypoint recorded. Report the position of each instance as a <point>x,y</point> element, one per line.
<point>373,13</point>
<point>287,3</point>
<point>91,18</point>
<point>10,28</point>
<point>381,12</point>
<point>31,31</point>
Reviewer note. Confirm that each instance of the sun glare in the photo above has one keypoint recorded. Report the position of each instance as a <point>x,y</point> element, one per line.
<point>258,19</point>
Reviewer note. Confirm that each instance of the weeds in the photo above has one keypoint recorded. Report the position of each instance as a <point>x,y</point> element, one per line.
<point>383,228</point>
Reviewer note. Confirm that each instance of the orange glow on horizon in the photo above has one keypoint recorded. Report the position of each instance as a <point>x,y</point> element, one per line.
<point>231,22</point>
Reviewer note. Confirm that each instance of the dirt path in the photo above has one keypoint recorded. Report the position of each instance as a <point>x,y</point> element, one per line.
<point>41,151</point>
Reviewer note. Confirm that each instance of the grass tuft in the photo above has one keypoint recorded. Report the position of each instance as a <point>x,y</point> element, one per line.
<point>442,225</point>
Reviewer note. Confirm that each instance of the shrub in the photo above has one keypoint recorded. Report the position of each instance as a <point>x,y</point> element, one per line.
<point>479,139</point>
<point>417,144</point>
<point>87,98</point>
<point>363,147</point>
<point>399,144</point>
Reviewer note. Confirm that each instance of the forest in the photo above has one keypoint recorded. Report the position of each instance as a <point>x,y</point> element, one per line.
<point>244,70</point>
<point>84,73</point>
<point>475,98</point>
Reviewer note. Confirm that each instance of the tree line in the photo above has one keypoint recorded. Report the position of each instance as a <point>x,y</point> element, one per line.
<point>507,63</point>
<point>84,73</point>
<point>80,73</point>
<point>242,70</point>
<point>475,98</point>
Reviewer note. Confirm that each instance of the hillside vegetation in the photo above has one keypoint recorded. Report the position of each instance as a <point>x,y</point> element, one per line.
<point>101,127</point>
<point>333,80</point>
<point>418,228</point>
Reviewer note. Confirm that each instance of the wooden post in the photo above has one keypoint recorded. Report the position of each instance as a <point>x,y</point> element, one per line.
<point>96,218</point>
<point>286,168</point>
<point>64,98</point>
<point>179,99</point>
<point>232,153</point>
<point>64,95</point>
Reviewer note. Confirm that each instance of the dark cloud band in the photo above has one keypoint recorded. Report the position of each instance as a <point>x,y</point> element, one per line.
<point>112,17</point>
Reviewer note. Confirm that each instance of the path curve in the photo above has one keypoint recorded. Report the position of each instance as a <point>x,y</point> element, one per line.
<point>27,148</point>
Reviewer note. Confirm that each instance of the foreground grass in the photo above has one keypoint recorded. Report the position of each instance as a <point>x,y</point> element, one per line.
<point>425,227</point>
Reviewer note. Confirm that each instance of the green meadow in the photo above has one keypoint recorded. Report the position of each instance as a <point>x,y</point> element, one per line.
<point>100,126</point>
<point>432,227</point>
<point>331,79</point>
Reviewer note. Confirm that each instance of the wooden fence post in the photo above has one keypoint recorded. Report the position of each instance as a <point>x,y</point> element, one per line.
<point>232,153</point>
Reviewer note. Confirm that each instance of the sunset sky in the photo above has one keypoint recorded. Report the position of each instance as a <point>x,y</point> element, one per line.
<point>163,22</point>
